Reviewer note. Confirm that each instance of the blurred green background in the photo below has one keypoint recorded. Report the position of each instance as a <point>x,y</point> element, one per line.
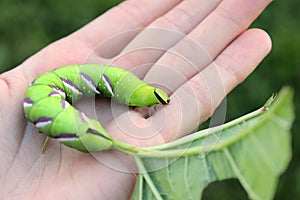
<point>28,26</point>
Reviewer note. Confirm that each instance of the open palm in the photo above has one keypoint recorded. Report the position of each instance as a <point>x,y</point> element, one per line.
<point>197,50</point>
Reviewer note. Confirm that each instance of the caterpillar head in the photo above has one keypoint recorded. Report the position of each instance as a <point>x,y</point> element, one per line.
<point>161,96</point>
<point>147,96</point>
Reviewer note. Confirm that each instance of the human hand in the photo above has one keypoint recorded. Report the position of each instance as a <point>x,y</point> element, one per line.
<point>199,51</point>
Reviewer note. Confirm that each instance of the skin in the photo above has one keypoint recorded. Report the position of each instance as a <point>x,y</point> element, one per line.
<point>218,28</point>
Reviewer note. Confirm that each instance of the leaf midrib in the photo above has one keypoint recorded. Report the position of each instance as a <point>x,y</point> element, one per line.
<point>222,144</point>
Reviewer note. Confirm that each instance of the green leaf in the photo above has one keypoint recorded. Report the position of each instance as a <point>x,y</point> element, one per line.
<point>255,149</point>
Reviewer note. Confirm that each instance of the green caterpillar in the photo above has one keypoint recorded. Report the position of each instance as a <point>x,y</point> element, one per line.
<point>48,101</point>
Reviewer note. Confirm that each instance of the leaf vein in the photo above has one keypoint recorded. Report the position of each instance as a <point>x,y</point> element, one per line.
<point>239,174</point>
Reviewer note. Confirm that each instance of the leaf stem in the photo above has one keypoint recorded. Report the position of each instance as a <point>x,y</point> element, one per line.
<point>207,132</point>
<point>144,173</point>
<point>141,183</point>
<point>128,148</point>
<point>164,150</point>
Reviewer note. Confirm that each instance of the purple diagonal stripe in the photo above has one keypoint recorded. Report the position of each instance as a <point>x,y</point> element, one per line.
<point>27,102</point>
<point>89,82</point>
<point>60,91</point>
<point>54,94</point>
<point>69,84</point>
<point>83,117</point>
<point>64,104</point>
<point>42,122</point>
<point>108,84</point>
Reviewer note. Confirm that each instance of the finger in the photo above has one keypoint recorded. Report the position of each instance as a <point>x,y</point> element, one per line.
<point>164,32</point>
<point>197,99</point>
<point>77,47</point>
<point>151,43</point>
<point>130,15</point>
<point>205,42</point>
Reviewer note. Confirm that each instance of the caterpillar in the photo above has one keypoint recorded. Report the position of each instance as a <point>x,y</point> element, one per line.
<point>49,98</point>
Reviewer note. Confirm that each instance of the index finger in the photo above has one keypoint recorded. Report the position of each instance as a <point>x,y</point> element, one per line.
<point>75,48</point>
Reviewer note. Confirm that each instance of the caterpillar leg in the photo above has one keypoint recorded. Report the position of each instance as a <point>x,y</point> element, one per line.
<point>45,144</point>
